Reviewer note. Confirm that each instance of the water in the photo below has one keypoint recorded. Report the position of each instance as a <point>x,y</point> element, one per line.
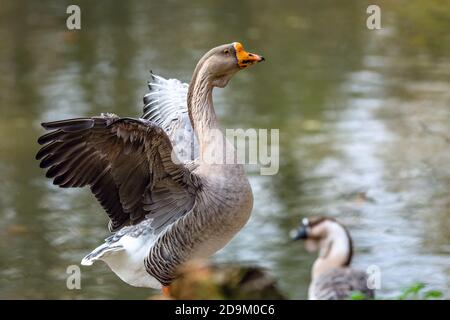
<point>363,118</point>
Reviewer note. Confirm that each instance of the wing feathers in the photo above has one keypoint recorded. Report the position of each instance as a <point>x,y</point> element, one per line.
<point>123,160</point>
<point>70,125</point>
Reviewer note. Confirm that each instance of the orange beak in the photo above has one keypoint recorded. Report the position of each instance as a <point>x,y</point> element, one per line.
<point>245,58</point>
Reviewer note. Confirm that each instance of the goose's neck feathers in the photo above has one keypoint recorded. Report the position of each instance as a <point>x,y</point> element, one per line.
<point>335,250</point>
<point>201,110</point>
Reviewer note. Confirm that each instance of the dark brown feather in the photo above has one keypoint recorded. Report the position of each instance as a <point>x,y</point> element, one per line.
<point>122,160</point>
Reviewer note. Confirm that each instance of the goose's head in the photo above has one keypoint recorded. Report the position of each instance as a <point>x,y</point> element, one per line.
<point>222,62</point>
<point>322,233</point>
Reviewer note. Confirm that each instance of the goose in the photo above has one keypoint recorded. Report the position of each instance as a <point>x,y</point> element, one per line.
<point>166,206</point>
<point>332,276</point>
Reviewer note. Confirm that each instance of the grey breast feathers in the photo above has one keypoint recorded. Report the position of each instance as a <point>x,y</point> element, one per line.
<point>340,283</point>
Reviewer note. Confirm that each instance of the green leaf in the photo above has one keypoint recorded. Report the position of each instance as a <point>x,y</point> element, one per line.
<point>357,295</point>
<point>412,292</point>
<point>433,294</point>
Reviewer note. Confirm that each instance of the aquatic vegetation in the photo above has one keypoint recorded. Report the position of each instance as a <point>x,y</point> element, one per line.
<point>416,291</point>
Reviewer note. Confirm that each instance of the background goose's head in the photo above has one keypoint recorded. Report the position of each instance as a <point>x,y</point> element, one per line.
<point>321,233</point>
<point>222,62</point>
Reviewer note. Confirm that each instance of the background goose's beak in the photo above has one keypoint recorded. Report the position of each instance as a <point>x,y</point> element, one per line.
<point>300,233</point>
<point>245,58</point>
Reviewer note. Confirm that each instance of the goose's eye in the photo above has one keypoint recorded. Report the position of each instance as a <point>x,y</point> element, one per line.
<point>226,51</point>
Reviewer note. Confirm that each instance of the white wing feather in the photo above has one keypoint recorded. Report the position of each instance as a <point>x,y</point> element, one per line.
<point>166,105</point>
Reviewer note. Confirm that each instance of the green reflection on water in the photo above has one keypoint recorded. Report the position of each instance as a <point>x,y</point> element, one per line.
<point>350,104</point>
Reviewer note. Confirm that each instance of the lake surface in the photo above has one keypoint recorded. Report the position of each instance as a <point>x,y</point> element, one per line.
<point>364,119</point>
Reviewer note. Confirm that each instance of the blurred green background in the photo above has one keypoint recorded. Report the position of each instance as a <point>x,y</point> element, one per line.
<point>364,119</point>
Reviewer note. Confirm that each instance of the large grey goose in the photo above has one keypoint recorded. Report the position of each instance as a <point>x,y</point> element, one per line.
<point>165,204</point>
<point>332,276</point>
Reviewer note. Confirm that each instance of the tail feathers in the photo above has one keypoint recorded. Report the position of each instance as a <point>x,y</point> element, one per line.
<point>100,252</point>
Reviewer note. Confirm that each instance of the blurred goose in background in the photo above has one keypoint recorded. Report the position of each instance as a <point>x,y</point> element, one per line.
<point>165,204</point>
<point>332,276</point>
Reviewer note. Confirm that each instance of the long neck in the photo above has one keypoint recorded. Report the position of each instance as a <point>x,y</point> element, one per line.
<point>335,251</point>
<point>201,110</point>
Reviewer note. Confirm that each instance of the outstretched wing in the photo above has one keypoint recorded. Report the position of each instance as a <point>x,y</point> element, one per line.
<point>166,105</point>
<point>126,162</point>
